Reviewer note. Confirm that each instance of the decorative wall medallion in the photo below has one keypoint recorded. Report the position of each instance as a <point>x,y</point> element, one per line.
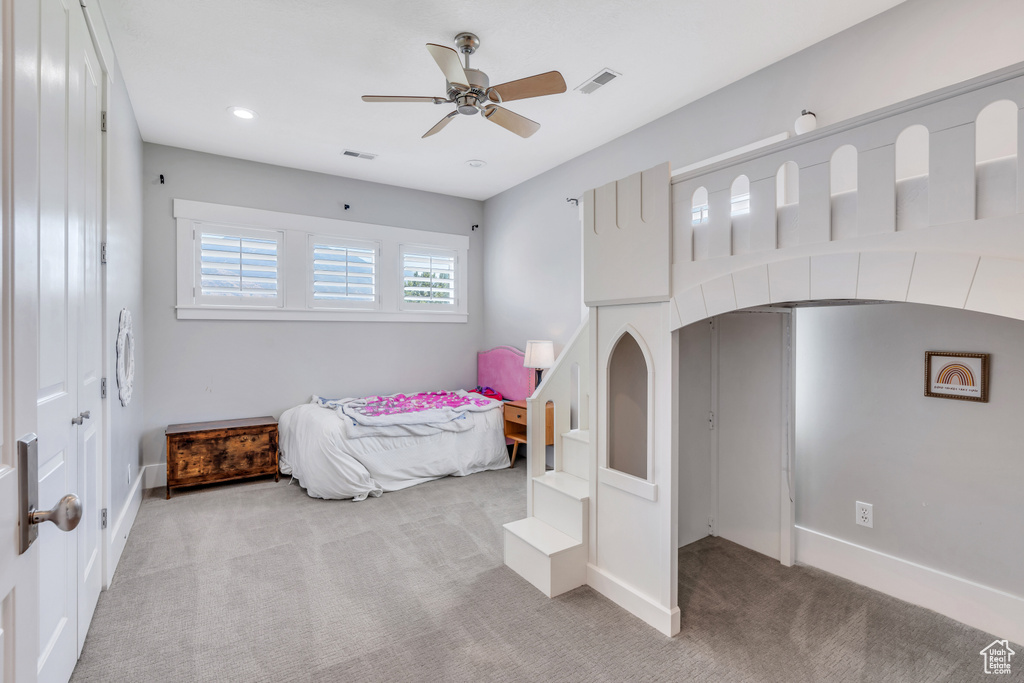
<point>125,357</point>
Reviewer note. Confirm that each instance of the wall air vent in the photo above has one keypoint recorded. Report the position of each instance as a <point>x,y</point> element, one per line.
<point>358,155</point>
<point>602,77</point>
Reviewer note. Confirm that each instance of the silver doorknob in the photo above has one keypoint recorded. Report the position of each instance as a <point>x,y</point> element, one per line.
<point>65,514</point>
<point>81,417</point>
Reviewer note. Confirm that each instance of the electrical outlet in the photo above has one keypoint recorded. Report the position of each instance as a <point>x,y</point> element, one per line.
<point>865,514</point>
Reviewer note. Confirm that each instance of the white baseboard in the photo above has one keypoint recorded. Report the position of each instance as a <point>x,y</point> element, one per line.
<point>988,609</point>
<point>154,476</point>
<point>625,596</point>
<point>117,537</point>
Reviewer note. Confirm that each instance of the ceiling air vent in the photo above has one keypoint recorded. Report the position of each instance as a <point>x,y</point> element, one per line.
<point>601,78</point>
<point>358,155</point>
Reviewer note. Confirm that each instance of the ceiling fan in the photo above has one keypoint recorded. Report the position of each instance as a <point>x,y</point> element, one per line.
<point>471,92</point>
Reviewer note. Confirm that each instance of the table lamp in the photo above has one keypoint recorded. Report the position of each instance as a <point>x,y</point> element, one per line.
<point>539,355</point>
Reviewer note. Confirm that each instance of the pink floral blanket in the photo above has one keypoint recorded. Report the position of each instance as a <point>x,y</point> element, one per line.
<point>423,408</point>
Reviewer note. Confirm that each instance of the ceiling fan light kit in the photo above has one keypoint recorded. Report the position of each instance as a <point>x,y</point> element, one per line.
<point>471,92</point>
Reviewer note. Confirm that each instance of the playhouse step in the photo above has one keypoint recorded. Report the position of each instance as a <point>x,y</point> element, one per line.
<point>562,500</point>
<point>552,561</point>
<point>576,453</point>
<point>565,483</point>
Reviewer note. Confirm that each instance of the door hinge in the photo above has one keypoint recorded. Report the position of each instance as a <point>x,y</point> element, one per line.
<point>711,420</point>
<point>103,518</point>
<point>103,253</point>
<point>103,387</point>
<point>103,117</point>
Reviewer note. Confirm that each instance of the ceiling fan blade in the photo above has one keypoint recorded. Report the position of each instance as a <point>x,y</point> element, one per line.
<point>441,124</point>
<point>520,125</point>
<point>398,98</point>
<point>450,63</point>
<point>550,83</point>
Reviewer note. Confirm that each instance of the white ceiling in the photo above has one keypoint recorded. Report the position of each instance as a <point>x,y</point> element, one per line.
<point>302,65</point>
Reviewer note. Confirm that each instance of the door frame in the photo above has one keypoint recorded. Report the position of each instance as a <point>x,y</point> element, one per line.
<point>107,339</point>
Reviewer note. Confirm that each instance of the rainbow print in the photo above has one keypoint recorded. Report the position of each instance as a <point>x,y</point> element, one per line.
<point>956,373</point>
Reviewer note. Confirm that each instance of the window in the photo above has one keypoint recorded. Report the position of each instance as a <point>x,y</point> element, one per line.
<point>699,204</point>
<point>739,196</point>
<point>343,273</point>
<point>428,278</point>
<point>740,204</point>
<point>236,263</point>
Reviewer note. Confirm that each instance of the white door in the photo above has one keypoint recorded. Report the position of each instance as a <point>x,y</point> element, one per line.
<point>19,308</point>
<point>60,277</point>
<point>85,140</point>
<point>19,589</point>
<point>750,420</point>
<point>69,329</point>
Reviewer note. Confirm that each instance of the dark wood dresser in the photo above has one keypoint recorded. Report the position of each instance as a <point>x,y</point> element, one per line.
<point>205,452</point>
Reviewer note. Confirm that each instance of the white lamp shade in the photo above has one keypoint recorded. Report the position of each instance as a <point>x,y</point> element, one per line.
<point>539,354</point>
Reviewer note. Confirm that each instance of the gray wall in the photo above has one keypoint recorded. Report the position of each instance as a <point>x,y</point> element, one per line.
<point>207,370</point>
<point>532,253</point>
<point>124,289</point>
<point>123,273</point>
<point>944,476</point>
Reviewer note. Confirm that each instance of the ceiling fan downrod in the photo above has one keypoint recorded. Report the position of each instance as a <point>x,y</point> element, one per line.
<point>467,43</point>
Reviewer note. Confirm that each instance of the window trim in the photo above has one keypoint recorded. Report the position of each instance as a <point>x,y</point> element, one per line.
<point>294,265</point>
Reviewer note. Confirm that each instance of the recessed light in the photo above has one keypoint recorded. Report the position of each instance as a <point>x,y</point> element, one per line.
<point>476,163</point>
<point>243,113</point>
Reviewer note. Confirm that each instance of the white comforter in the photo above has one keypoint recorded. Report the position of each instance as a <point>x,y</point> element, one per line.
<point>332,457</point>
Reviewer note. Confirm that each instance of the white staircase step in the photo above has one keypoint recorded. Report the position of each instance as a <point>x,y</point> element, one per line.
<point>566,483</point>
<point>562,500</point>
<point>549,559</point>
<point>545,538</point>
<point>576,453</point>
<point>581,435</point>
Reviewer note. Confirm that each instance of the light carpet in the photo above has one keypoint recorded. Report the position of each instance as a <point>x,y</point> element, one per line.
<point>258,582</point>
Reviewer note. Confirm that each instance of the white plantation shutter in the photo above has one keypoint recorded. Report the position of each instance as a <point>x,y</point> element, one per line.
<point>238,263</point>
<point>429,278</point>
<point>343,273</point>
<point>237,267</point>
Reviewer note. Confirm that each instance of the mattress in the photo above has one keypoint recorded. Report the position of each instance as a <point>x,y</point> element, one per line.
<point>318,453</point>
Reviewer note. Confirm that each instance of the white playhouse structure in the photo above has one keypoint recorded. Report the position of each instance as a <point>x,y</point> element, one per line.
<point>891,206</point>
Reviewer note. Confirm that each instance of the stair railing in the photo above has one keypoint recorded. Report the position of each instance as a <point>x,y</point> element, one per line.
<point>564,388</point>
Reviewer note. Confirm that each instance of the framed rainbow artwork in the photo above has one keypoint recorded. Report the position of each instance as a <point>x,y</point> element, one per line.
<point>963,376</point>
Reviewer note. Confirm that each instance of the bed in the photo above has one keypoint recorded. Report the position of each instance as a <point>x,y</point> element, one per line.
<point>361,447</point>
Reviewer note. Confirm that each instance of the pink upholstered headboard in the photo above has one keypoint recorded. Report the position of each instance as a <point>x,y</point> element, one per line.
<point>501,369</point>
